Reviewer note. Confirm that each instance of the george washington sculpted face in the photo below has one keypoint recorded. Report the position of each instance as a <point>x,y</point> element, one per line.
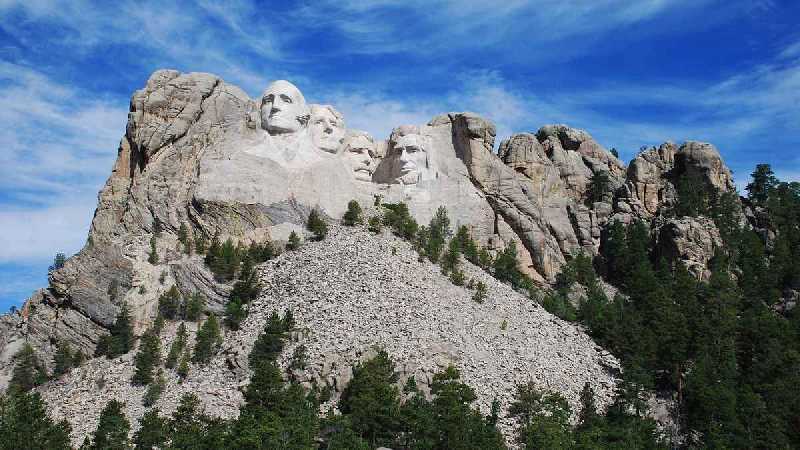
<point>283,108</point>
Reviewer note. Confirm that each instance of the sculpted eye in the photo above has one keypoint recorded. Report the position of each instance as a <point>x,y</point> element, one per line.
<point>268,98</point>
<point>286,98</point>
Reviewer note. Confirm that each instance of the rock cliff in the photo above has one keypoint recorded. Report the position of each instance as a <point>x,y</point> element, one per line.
<point>201,155</point>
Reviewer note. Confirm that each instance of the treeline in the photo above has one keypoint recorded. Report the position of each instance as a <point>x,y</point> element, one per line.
<point>437,243</point>
<point>375,411</point>
<point>732,360</point>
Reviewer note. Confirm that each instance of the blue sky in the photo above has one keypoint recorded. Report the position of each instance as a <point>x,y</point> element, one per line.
<point>632,73</point>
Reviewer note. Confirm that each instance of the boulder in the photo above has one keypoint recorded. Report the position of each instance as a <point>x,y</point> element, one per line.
<point>691,241</point>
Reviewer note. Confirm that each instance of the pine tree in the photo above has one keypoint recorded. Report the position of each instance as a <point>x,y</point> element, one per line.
<point>375,224</point>
<point>112,429</point>
<point>152,433</point>
<point>170,303</point>
<point>484,259</point>
<point>121,340</point>
<point>544,418</point>
<point>224,259</point>
<point>438,231</point>
<point>615,152</point>
<point>317,225</point>
<point>183,237</point>
<point>28,372</point>
<point>693,198</point>
<point>78,358</point>
<point>158,324</point>
<point>294,241</point>
<point>200,244</point>
<point>288,320</point>
<point>468,247</point>
<point>62,359</point>
<point>24,425</point>
<point>183,365</point>
<point>177,347</point>
<point>58,262</point>
<point>207,341</point>
<point>399,219</point>
<point>153,256</point>
<point>763,184</point>
<point>599,186</point>
<point>372,401</point>
<point>480,292</point>
<point>452,257</point>
<point>195,306</point>
<point>154,389</point>
<point>235,313</point>
<point>147,359</point>
<point>353,215</point>
<point>588,414</point>
<point>269,344</point>
<point>506,266</point>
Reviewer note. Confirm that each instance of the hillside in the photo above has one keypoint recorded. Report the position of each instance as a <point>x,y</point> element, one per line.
<point>349,293</point>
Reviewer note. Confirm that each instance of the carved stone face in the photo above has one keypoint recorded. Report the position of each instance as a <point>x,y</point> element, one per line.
<point>411,156</point>
<point>359,152</point>
<point>283,108</point>
<point>327,128</point>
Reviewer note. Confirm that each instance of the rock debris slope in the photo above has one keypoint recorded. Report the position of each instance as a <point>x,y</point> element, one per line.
<point>352,292</point>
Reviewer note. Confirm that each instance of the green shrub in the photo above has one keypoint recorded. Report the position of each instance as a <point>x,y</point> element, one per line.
<point>353,215</point>
<point>316,224</point>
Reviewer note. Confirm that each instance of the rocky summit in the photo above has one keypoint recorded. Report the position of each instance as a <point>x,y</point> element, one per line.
<point>201,161</point>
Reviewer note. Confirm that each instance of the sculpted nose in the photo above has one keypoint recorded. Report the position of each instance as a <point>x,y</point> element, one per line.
<point>403,155</point>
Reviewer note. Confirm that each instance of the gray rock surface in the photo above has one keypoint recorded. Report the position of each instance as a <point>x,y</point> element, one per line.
<point>351,292</point>
<point>691,241</point>
<point>199,152</point>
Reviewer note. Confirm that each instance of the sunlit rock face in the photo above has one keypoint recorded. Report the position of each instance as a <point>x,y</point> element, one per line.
<point>327,128</point>
<point>360,152</point>
<point>201,153</point>
<point>283,109</point>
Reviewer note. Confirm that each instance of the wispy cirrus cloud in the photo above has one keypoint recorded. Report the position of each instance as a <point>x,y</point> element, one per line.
<point>58,147</point>
<point>433,27</point>
<point>67,69</point>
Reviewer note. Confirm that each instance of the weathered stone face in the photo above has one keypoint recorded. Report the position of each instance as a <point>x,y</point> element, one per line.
<point>359,152</point>
<point>408,156</point>
<point>283,108</point>
<point>327,128</point>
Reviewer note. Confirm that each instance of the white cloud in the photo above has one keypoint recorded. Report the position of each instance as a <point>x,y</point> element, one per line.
<point>35,235</point>
<point>57,149</point>
<point>435,26</point>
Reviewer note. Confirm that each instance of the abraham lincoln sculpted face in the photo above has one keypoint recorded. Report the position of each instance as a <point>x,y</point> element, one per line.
<point>283,109</point>
<point>410,155</point>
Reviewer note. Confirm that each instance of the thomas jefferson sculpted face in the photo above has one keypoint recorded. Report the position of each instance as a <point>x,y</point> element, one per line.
<point>327,128</point>
<point>283,108</point>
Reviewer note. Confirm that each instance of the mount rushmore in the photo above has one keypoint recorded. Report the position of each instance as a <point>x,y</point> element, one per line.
<point>199,152</point>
